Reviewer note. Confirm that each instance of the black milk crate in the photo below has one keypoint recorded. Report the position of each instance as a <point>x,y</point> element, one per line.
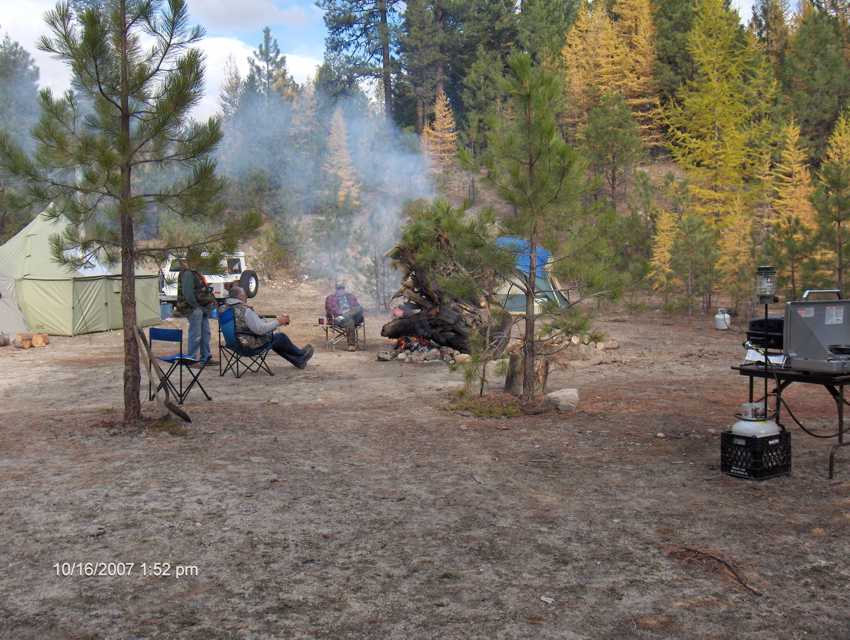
<point>755,458</point>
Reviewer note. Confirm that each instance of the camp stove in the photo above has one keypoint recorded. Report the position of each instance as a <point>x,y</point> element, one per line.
<point>816,334</point>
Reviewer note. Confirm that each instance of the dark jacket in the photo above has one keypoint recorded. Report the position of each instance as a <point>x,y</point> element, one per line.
<point>333,304</point>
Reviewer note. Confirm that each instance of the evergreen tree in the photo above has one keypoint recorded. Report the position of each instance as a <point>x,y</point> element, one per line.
<point>362,32</point>
<point>18,115</point>
<point>424,55</point>
<point>338,164</point>
<point>231,90</point>
<point>536,172</point>
<point>816,78</point>
<point>267,75</point>
<point>770,25</point>
<point>674,65</point>
<point>440,137</point>
<point>612,144</point>
<point>141,98</point>
<point>542,27</point>
<point>482,94</point>
<point>694,259</point>
<point>832,198</point>
<point>637,31</point>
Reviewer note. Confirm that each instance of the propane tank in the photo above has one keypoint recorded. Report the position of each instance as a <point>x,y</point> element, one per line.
<point>722,320</point>
<point>753,422</point>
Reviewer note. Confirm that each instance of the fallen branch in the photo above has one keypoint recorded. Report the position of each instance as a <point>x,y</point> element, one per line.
<point>728,566</point>
<point>154,365</point>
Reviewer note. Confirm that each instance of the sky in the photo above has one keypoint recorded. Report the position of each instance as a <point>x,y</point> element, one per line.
<point>234,28</point>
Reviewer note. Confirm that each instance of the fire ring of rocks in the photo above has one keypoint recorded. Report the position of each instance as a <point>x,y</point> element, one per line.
<point>419,349</point>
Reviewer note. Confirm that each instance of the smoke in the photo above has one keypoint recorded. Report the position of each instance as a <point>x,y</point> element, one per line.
<point>343,201</point>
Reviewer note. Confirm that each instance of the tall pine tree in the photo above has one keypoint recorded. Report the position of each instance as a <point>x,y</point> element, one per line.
<point>832,198</point>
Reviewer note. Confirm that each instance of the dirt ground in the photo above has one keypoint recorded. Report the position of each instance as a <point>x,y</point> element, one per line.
<point>345,501</point>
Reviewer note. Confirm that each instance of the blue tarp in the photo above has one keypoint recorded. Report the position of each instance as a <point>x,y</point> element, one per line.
<point>522,250</point>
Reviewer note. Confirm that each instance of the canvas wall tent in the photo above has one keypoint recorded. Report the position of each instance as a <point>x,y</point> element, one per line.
<point>59,300</point>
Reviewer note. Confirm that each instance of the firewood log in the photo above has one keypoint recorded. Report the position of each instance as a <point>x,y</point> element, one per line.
<point>40,340</point>
<point>23,341</point>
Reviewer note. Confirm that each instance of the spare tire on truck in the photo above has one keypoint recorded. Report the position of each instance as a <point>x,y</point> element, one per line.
<point>250,283</point>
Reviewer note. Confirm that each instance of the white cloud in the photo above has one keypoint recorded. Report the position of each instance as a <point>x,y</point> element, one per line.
<point>217,51</point>
<point>244,14</point>
<point>24,22</point>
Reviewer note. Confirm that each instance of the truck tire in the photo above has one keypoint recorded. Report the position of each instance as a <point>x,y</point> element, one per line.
<point>250,283</point>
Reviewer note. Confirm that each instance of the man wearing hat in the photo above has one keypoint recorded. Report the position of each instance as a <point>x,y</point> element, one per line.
<point>343,310</point>
<point>254,332</point>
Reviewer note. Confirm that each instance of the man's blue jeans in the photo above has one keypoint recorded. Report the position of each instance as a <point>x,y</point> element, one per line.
<point>199,333</point>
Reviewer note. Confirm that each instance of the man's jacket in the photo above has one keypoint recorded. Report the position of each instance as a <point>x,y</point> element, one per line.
<point>251,330</point>
<point>336,305</point>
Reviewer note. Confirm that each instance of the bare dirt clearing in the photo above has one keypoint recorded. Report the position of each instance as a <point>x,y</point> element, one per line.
<point>344,501</point>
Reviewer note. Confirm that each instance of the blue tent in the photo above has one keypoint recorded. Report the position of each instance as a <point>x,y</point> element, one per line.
<point>514,298</point>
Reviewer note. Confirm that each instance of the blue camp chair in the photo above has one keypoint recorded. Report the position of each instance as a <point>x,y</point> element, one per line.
<point>232,355</point>
<point>177,364</point>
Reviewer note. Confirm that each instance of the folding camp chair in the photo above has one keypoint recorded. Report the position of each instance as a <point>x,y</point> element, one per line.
<point>177,364</point>
<point>232,355</point>
<point>336,334</point>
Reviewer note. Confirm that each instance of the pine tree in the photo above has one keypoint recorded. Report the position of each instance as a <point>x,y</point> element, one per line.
<point>674,66</point>
<point>363,32</point>
<point>770,25</point>
<point>231,90</point>
<point>481,95</point>
<point>536,172</point>
<point>612,144</point>
<point>832,198</point>
<point>268,76</point>
<point>338,164</point>
<point>18,115</point>
<point>816,78</point>
<point>440,136</point>
<point>543,26</point>
<point>635,26</point>
<point>661,265</point>
<point>140,101</point>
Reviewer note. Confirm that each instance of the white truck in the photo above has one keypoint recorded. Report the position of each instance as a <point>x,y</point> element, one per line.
<point>233,271</point>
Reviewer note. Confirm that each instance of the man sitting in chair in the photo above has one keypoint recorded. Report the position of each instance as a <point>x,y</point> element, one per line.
<point>343,310</point>
<point>254,332</point>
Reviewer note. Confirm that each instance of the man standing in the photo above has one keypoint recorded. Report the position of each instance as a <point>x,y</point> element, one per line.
<point>254,332</point>
<point>195,301</point>
<point>344,310</point>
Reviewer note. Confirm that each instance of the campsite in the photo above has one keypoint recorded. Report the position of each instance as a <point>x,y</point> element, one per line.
<point>413,319</point>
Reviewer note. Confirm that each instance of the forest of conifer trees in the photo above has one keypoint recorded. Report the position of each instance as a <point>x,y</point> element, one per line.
<point>710,143</point>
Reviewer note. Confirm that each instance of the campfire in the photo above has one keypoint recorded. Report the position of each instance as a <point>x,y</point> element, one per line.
<point>418,349</point>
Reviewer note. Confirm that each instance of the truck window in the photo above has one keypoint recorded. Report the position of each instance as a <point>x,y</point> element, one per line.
<point>234,265</point>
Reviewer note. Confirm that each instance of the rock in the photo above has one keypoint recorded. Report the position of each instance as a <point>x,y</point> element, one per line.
<point>386,356</point>
<point>660,435</point>
<point>402,357</point>
<point>432,355</point>
<point>564,400</point>
<point>585,339</point>
<point>463,358</point>
<point>575,339</point>
<point>599,346</point>
<point>4,340</point>
<point>418,356</point>
<point>611,345</point>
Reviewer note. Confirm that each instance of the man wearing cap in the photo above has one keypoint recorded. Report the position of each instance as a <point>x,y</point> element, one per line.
<point>343,309</point>
<point>254,332</point>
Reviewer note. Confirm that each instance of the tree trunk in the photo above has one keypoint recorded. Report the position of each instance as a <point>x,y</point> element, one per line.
<point>132,374</point>
<point>384,33</point>
<point>513,380</point>
<point>839,258</point>
<point>440,18</point>
<point>528,347</point>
